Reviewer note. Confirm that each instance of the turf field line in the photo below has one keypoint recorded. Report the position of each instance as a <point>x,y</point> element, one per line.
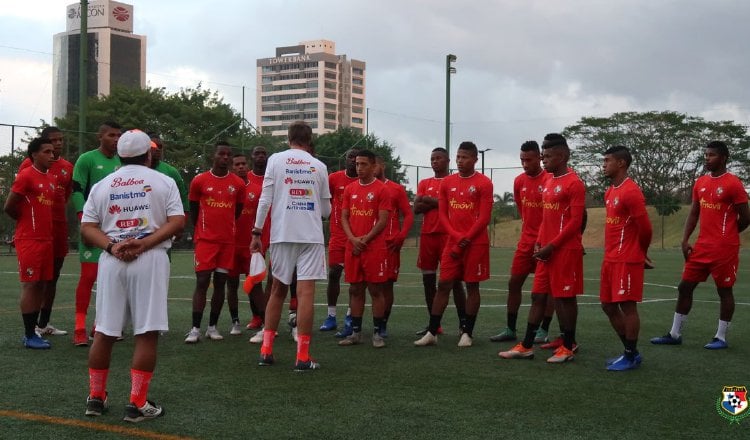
<point>122,430</point>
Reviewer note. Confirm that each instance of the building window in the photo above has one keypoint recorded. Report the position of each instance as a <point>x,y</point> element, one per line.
<point>357,81</point>
<point>357,101</point>
<point>357,121</point>
<point>330,65</point>
<point>330,75</point>
<point>330,106</point>
<point>357,90</point>
<point>358,71</point>
<point>330,85</point>
<point>329,126</point>
<point>357,110</point>
<point>331,116</point>
<point>330,95</point>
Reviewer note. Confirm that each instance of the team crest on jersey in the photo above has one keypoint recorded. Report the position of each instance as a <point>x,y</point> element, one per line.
<point>616,201</point>
<point>312,169</point>
<point>472,189</point>
<point>540,188</point>
<point>251,196</point>
<point>558,188</point>
<point>231,189</point>
<point>719,191</point>
<point>64,172</point>
<point>732,405</point>
<point>370,197</point>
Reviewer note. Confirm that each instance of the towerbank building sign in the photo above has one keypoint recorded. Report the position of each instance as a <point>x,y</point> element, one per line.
<point>101,14</point>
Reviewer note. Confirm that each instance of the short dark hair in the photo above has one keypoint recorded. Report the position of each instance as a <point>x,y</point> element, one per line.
<point>368,154</point>
<point>49,130</point>
<point>552,140</point>
<point>300,133</point>
<point>109,124</point>
<point>530,146</point>
<point>239,155</point>
<point>440,150</point>
<point>469,146</point>
<point>621,153</point>
<point>36,145</point>
<point>719,146</point>
<point>222,143</point>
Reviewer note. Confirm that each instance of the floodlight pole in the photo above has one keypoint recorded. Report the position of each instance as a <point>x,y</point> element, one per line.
<point>482,153</point>
<point>449,59</point>
<point>83,63</point>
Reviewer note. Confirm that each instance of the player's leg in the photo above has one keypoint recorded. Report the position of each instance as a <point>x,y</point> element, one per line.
<point>357,305</point>
<point>217,303</point>
<point>48,301</point>
<point>684,303</point>
<point>333,290</point>
<point>305,300</point>
<point>232,287</point>
<point>439,303</point>
<point>86,281</point>
<point>32,294</point>
<point>524,349</point>
<point>379,310</point>
<point>513,304</point>
<point>726,311</point>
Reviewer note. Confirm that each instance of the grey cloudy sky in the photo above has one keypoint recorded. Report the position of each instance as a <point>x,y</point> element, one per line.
<point>525,68</point>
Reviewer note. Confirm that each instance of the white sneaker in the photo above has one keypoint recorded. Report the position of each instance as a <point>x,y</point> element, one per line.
<point>427,339</point>
<point>50,331</point>
<point>294,334</point>
<point>465,340</point>
<point>257,338</point>
<point>378,341</point>
<point>213,334</point>
<point>193,336</point>
<point>236,329</point>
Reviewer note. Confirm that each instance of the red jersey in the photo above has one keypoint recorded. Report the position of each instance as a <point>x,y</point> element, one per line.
<point>35,214</point>
<point>254,188</point>
<point>564,199</point>
<point>336,183</point>
<point>364,203</point>
<point>62,172</point>
<point>399,206</point>
<point>465,207</point>
<point>625,230</point>
<point>218,198</point>
<point>527,193</point>
<point>716,197</point>
<point>430,187</point>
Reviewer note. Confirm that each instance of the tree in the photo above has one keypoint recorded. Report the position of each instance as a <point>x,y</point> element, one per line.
<point>504,206</point>
<point>331,149</point>
<point>190,122</point>
<point>667,149</point>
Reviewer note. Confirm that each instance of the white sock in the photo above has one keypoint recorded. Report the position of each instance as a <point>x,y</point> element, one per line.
<point>721,333</point>
<point>349,311</point>
<point>677,323</point>
<point>332,311</point>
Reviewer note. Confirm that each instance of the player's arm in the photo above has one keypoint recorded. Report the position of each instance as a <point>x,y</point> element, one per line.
<point>443,215</point>
<point>517,198</point>
<point>325,197</point>
<point>484,208</point>
<point>194,209</point>
<point>182,188</point>
<point>80,183</point>
<point>743,216</point>
<point>11,205</point>
<point>174,226</point>
<point>690,224</point>
<point>379,225</point>
<point>405,208</point>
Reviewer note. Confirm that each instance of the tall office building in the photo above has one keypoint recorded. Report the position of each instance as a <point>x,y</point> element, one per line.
<point>310,82</point>
<point>116,55</point>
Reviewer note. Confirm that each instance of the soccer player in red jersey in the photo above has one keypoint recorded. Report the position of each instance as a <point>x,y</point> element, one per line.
<point>720,202</point>
<point>527,192</point>
<point>627,235</point>
<point>559,251</point>
<point>395,235</point>
<point>216,201</point>
<point>364,215</point>
<point>337,242</point>
<point>432,236</point>
<point>62,171</point>
<point>30,204</point>
<point>465,208</point>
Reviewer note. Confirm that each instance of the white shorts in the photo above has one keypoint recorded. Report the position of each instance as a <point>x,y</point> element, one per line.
<point>308,258</point>
<point>134,292</point>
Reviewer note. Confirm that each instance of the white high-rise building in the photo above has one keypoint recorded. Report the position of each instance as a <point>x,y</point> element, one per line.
<point>116,55</point>
<point>309,82</point>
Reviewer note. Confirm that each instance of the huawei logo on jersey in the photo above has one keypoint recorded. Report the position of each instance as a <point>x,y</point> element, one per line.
<point>114,209</point>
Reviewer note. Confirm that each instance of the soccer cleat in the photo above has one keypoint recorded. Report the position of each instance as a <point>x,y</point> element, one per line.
<point>329,324</point>
<point>427,339</point>
<point>265,360</point>
<point>308,365</point>
<point>256,323</point>
<point>193,336</point>
<point>426,329</point>
<point>622,363</point>
<point>346,331</point>
<point>213,334</point>
<point>377,340</point>
<point>667,340</point>
<point>553,345</point>
<point>383,333</point>
<point>96,406</point>
<point>505,335</point>
<point>517,352</point>
<point>716,344</point>
<point>80,338</point>
<point>292,321</point>
<point>353,339</point>
<point>294,334</point>
<point>36,343</point>
<point>236,329</point>
<point>50,331</point>
<point>149,410</point>
<point>561,355</point>
<point>542,337</point>
<point>257,338</point>
<point>465,340</point>
<point>611,361</point>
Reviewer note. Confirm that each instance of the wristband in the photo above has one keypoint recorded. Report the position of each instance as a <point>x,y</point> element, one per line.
<point>257,233</point>
<point>109,247</point>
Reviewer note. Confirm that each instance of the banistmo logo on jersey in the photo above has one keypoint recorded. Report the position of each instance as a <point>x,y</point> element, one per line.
<point>732,405</point>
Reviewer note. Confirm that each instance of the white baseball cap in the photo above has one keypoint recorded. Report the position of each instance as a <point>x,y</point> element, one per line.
<point>133,143</point>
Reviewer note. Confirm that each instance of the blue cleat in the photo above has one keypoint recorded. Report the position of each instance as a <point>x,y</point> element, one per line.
<point>36,343</point>
<point>329,324</point>
<point>622,364</point>
<point>667,340</point>
<point>716,344</point>
<point>611,361</point>
<point>347,331</point>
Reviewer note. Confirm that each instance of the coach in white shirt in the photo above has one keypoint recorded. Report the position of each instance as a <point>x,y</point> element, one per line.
<point>295,190</point>
<point>132,214</point>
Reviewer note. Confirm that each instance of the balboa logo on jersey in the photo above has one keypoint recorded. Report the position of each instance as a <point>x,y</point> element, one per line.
<point>293,161</point>
<point>301,206</point>
<point>131,223</point>
<point>118,182</point>
<point>732,405</point>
